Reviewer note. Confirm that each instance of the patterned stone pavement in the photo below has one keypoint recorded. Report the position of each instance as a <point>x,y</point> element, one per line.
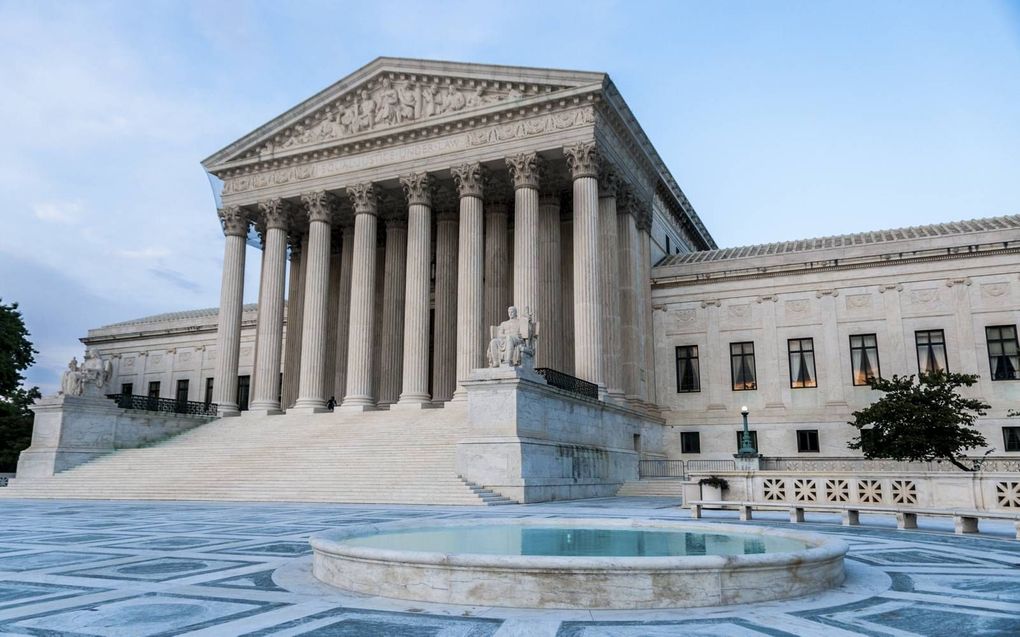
<point>143,569</point>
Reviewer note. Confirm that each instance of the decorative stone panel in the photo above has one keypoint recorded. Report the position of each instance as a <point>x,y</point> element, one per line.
<point>837,490</point>
<point>869,491</point>
<point>774,490</point>
<point>804,490</point>
<point>1007,494</point>
<point>904,492</point>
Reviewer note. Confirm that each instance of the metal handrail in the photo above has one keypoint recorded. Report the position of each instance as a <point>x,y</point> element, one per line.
<point>568,383</point>
<point>661,469</point>
<point>700,466</point>
<point>165,405</point>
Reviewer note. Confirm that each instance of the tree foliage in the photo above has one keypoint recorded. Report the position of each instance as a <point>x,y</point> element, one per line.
<point>16,355</point>
<point>920,419</point>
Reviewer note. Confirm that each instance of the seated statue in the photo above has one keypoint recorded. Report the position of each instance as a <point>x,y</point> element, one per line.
<point>71,382</point>
<point>513,340</point>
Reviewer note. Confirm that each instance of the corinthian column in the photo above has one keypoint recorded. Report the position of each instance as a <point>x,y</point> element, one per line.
<point>550,302</point>
<point>470,261</point>
<point>418,190</point>
<point>609,282</point>
<point>293,313</point>
<point>228,332</point>
<point>269,331</point>
<point>343,312</point>
<point>583,161</point>
<point>390,349</point>
<point>444,356</point>
<point>630,286</point>
<point>498,291</point>
<point>525,170</point>
<point>362,315</point>
<point>316,295</point>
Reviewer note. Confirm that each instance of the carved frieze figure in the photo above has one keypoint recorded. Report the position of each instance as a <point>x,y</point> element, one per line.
<point>513,340</point>
<point>409,103</point>
<point>386,103</point>
<point>366,111</point>
<point>453,100</point>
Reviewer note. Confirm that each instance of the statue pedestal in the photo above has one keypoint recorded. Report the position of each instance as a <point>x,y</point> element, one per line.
<point>68,431</point>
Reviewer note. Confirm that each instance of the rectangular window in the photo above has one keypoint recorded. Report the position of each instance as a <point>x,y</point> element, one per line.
<point>1011,438</point>
<point>931,351</point>
<point>1003,352</point>
<point>243,387</point>
<point>208,391</point>
<point>154,389</point>
<point>864,358</point>
<point>182,390</point>
<point>807,440</point>
<point>802,363</point>
<point>690,442</point>
<point>688,371</point>
<point>742,366</point>
<point>754,438</point>
<point>127,389</point>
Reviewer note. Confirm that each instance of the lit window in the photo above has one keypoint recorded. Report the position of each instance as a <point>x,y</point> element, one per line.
<point>1003,352</point>
<point>802,363</point>
<point>864,358</point>
<point>688,373</point>
<point>931,351</point>
<point>742,366</point>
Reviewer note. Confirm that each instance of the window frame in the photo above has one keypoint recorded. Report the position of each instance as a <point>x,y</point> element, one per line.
<point>1002,341</point>
<point>754,369</point>
<point>814,365</point>
<point>878,364</point>
<point>917,347</point>
<point>154,385</point>
<point>697,368</point>
<point>127,389</point>
<point>1011,433</point>
<point>810,433</point>
<point>684,436</point>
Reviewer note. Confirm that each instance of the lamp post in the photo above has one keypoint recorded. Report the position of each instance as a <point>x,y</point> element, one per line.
<point>747,449</point>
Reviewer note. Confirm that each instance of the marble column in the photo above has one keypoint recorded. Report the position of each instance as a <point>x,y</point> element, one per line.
<point>362,316</point>
<point>418,190</point>
<point>550,301</point>
<point>343,304</point>
<point>498,289</point>
<point>391,339</point>
<point>332,317</point>
<point>583,161</point>
<point>609,282</point>
<point>566,363</point>
<point>648,340</point>
<point>630,331</point>
<point>293,319</point>
<point>316,294</point>
<point>269,331</point>
<point>525,172</point>
<point>444,331</point>
<point>470,268</point>
<point>228,331</point>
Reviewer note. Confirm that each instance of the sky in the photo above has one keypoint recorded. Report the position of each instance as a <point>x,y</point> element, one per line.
<point>780,120</point>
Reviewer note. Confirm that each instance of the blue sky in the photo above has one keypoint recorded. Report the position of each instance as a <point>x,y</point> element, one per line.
<point>780,120</point>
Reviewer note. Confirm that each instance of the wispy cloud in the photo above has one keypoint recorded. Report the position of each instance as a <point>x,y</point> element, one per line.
<point>59,212</point>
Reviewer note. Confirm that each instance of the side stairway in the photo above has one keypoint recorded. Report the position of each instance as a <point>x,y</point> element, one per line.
<point>653,488</point>
<point>382,457</point>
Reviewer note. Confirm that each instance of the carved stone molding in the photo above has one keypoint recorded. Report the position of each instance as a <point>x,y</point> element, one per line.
<point>711,302</point>
<point>417,188</point>
<point>582,159</point>
<point>525,170</point>
<point>831,292</point>
<point>888,287</point>
<point>363,198</point>
<point>961,281</point>
<point>294,242</point>
<point>767,297</point>
<point>275,213</point>
<point>234,221</point>
<point>319,205</point>
<point>470,179</point>
<point>608,182</point>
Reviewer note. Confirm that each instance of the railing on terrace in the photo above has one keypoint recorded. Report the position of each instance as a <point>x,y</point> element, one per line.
<point>164,405</point>
<point>568,383</point>
<point>779,463</point>
<point>661,469</point>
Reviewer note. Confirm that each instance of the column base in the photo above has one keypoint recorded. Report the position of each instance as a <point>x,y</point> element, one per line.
<point>416,403</point>
<point>265,410</point>
<point>227,411</point>
<point>357,404</point>
<point>459,396</point>
<point>307,409</point>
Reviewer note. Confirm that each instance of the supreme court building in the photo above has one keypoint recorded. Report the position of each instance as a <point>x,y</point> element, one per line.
<point>415,201</point>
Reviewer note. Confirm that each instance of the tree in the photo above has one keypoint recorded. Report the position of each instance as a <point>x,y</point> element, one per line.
<point>16,355</point>
<point>921,419</point>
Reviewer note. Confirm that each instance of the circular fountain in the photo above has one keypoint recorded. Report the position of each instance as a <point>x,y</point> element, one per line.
<point>577,563</point>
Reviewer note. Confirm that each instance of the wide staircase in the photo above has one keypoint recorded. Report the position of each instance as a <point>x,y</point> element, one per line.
<point>381,457</point>
<point>652,488</point>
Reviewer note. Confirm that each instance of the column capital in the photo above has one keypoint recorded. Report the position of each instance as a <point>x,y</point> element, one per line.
<point>275,213</point>
<point>525,170</point>
<point>417,188</point>
<point>363,199</point>
<point>294,242</point>
<point>234,221</point>
<point>608,181</point>
<point>470,179</point>
<point>319,205</point>
<point>582,159</point>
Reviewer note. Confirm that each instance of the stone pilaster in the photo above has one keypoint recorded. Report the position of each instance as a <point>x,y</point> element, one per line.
<point>343,311</point>
<point>316,295</point>
<point>228,333</point>
<point>583,161</point>
<point>444,356</point>
<point>609,282</point>
<point>470,268</point>
<point>362,314</point>
<point>269,332</point>
<point>418,190</point>
<point>391,352</point>
<point>550,301</point>
<point>525,170</point>
<point>498,287</point>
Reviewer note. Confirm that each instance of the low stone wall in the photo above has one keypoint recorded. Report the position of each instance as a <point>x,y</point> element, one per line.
<point>532,443</point>
<point>981,491</point>
<point>72,430</point>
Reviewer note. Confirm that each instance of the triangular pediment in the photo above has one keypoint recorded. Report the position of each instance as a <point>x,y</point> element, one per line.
<point>392,94</point>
